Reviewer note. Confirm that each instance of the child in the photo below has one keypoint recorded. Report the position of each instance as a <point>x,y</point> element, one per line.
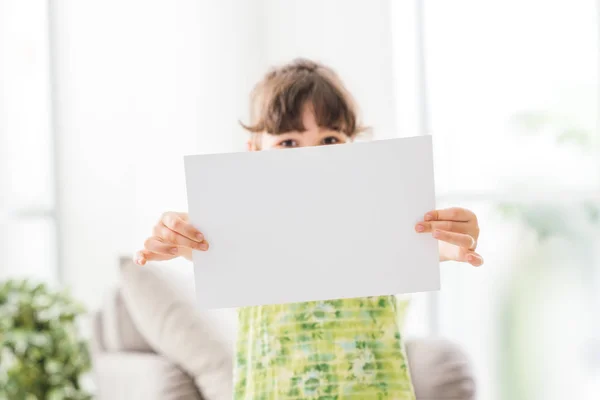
<point>337,349</point>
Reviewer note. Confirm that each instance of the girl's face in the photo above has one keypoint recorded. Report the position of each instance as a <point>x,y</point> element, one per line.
<point>312,136</point>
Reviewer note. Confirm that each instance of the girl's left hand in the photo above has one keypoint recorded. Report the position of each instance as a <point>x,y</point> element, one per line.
<point>457,231</point>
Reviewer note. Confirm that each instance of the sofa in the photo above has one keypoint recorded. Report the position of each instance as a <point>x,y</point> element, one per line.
<point>150,342</point>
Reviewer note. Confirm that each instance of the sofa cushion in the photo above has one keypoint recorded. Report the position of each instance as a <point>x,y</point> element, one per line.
<point>161,300</point>
<point>119,333</point>
<point>440,370</point>
<point>141,376</point>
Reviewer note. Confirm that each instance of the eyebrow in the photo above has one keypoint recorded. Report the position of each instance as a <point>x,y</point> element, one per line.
<point>330,131</point>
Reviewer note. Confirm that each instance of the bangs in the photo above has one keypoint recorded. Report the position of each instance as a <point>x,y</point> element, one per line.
<point>280,100</point>
<point>284,112</point>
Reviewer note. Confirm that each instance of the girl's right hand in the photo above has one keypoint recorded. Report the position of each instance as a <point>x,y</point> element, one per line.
<point>172,236</point>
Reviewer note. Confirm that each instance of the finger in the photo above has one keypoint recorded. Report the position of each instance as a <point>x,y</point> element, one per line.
<point>475,259</point>
<point>149,256</point>
<point>450,214</point>
<point>143,256</point>
<point>457,239</point>
<point>450,226</point>
<point>176,223</point>
<point>155,244</point>
<point>172,237</point>
<point>139,258</point>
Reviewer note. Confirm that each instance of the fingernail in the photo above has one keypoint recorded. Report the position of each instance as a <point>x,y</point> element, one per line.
<point>200,237</point>
<point>436,234</point>
<point>203,246</point>
<point>419,228</point>
<point>140,261</point>
<point>428,217</point>
<point>173,250</point>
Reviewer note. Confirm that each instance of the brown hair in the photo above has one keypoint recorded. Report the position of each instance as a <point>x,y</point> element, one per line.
<point>277,102</point>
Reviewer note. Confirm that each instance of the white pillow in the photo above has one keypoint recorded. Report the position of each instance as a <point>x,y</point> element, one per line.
<point>161,300</point>
<point>119,332</point>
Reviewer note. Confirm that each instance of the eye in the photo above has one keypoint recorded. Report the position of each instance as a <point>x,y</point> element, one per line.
<point>331,140</point>
<point>288,143</point>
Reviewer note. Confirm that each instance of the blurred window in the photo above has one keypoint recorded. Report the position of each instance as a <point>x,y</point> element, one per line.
<point>509,91</point>
<point>27,204</point>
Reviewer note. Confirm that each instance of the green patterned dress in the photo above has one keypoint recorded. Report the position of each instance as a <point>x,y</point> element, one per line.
<point>323,350</point>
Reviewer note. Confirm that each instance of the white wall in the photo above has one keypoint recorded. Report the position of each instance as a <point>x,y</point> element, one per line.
<point>140,84</point>
<point>354,37</point>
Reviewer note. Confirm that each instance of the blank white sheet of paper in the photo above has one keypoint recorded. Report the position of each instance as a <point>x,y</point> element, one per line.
<point>314,223</point>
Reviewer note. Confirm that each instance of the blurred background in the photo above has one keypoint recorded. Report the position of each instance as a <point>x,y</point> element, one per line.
<point>100,101</point>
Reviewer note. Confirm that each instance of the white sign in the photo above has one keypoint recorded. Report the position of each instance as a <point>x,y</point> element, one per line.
<point>314,223</point>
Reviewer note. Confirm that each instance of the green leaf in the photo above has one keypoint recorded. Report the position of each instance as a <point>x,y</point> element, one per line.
<point>577,136</point>
<point>41,353</point>
<point>546,220</point>
<point>531,122</point>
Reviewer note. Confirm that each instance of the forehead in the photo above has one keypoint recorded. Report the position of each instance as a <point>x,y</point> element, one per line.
<point>309,120</point>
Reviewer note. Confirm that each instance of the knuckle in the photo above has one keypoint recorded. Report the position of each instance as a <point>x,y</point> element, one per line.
<point>454,213</point>
<point>168,219</point>
<point>467,240</point>
<point>183,216</point>
<point>170,237</point>
<point>148,243</point>
<point>145,253</point>
<point>164,216</point>
<point>177,224</point>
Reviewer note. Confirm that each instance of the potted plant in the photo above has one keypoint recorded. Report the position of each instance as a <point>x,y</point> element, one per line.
<point>42,355</point>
